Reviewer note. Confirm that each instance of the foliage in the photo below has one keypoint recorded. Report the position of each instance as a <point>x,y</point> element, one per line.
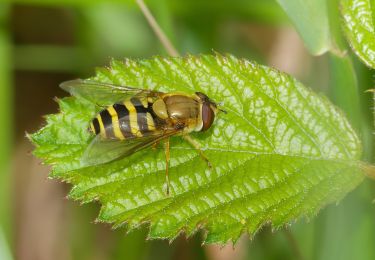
<point>281,152</point>
<point>310,18</point>
<point>360,28</point>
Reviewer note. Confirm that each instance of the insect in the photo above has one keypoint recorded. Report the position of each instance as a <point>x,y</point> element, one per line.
<point>135,118</point>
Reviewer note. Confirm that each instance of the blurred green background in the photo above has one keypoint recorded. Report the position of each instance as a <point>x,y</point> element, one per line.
<point>43,43</point>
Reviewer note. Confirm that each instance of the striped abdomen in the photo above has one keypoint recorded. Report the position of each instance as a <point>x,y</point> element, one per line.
<point>129,119</point>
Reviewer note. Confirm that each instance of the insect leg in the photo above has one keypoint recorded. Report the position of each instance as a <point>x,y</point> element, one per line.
<point>197,146</point>
<point>167,156</point>
<point>155,145</point>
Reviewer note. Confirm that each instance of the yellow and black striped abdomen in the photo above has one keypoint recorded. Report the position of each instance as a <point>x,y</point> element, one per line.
<point>131,118</point>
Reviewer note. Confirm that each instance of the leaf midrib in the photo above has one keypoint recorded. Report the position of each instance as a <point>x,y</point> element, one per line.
<point>219,150</point>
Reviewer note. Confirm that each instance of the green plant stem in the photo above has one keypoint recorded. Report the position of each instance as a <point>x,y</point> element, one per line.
<point>158,31</point>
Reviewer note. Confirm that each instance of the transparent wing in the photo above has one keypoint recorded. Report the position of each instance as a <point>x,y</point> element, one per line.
<point>102,151</point>
<point>101,93</point>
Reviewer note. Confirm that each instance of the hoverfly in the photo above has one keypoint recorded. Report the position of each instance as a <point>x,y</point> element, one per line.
<point>135,118</point>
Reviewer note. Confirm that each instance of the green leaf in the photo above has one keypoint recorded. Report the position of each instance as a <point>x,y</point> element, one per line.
<point>359,28</point>
<point>281,153</point>
<point>6,136</point>
<point>310,17</point>
<point>344,87</point>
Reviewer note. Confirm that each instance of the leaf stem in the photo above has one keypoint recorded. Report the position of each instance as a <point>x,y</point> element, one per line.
<point>158,31</point>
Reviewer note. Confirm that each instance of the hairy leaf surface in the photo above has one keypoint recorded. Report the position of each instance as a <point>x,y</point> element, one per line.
<point>359,27</point>
<point>280,153</point>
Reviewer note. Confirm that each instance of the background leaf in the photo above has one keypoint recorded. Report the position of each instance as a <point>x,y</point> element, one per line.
<point>310,18</point>
<point>280,153</point>
<point>6,136</point>
<point>359,28</point>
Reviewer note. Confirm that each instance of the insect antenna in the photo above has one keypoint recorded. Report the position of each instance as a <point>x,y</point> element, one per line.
<point>219,105</point>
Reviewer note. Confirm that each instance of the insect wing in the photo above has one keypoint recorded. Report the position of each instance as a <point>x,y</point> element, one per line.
<point>103,94</point>
<point>102,151</point>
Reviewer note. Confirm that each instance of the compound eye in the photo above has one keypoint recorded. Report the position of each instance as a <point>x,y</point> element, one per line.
<point>208,116</point>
